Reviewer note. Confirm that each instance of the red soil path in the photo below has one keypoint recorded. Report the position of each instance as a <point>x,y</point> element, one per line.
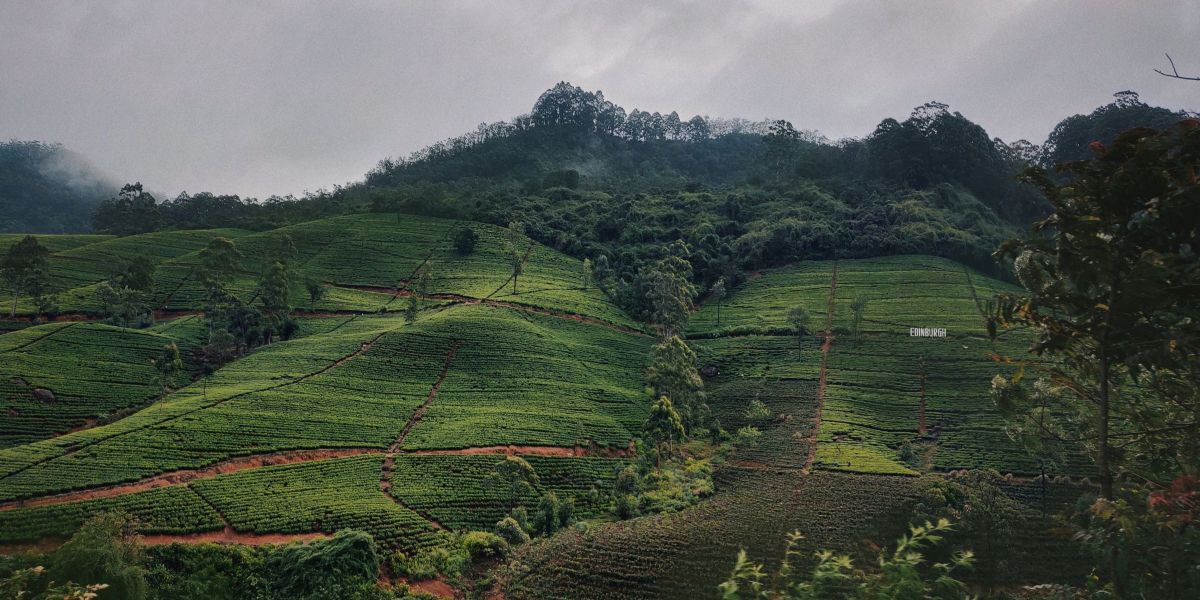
<point>385,475</point>
<point>821,379</point>
<point>436,587</point>
<point>188,475</point>
<point>229,536</point>
<point>289,457</point>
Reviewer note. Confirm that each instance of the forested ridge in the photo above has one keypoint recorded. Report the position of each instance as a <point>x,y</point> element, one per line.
<point>587,177</point>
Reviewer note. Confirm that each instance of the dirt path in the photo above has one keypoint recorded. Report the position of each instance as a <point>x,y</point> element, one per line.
<point>188,475</point>
<point>524,259</point>
<point>822,377</point>
<point>229,536</point>
<point>166,315</point>
<point>289,457</point>
<point>420,412</point>
<point>389,462</point>
<point>515,450</point>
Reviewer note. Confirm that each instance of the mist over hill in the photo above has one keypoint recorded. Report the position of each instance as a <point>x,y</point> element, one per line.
<point>47,188</point>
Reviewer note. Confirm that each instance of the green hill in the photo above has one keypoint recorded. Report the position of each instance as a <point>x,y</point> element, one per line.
<point>363,420</point>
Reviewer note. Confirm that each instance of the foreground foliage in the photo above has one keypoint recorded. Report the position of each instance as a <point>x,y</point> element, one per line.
<point>900,575</point>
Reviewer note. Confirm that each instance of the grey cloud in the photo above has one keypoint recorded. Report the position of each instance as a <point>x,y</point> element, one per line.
<point>281,97</point>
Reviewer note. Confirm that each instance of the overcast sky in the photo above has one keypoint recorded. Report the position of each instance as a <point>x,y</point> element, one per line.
<point>261,98</point>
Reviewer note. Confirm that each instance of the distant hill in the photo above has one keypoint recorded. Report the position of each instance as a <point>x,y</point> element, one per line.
<point>46,188</point>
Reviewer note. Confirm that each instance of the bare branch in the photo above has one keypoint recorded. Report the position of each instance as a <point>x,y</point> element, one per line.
<point>1174,74</point>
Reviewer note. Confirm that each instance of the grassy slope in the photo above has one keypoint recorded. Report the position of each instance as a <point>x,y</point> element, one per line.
<point>869,407</point>
<point>874,383</point>
<point>92,370</point>
<point>289,396</point>
<point>92,263</point>
<point>372,250</point>
<point>54,242</point>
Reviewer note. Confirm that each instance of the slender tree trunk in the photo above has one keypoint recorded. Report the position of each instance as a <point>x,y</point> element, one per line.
<point>1106,479</point>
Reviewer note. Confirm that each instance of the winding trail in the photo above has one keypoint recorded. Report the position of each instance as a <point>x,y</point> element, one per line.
<point>389,461</point>
<point>420,412</point>
<point>822,378</point>
<point>185,476</point>
<point>290,457</point>
<point>168,314</point>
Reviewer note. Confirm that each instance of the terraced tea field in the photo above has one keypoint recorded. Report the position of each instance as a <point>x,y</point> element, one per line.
<point>77,265</point>
<point>358,387</point>
<point>56,242</point>
<point>365,421</point>
<point>455,491</point>
<point>878,385</point>
<point>901,292</point>
<point>333,251</point>
<point>59,376</point>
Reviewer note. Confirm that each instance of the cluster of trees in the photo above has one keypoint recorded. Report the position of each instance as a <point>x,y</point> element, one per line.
<point>569,110</point>
<point>236,326</point>
<point>519,480</point>
<point>134,210</point>
<point>126,294</point>
<point>1110,282</point>
<point>25,270</point>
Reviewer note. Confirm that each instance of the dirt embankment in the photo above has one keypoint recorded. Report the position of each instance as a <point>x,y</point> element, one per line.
<point>229,536</point>
<point>187,475</point>
<point>436,587</point>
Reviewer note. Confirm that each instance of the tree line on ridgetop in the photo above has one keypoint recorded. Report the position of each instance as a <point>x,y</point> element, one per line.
<point>615,187</point>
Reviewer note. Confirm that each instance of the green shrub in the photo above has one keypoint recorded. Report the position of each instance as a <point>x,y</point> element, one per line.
<point>626,506</point>
<point>449,560</point>
<point>484,544</point>
<point>103,552</point>
<point>757,411</point>
<point>510,530</point>
<point>464,240</point>
<point>346,559</point>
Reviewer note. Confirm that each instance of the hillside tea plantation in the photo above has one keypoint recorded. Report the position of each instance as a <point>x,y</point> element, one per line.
<point>393,420</point>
